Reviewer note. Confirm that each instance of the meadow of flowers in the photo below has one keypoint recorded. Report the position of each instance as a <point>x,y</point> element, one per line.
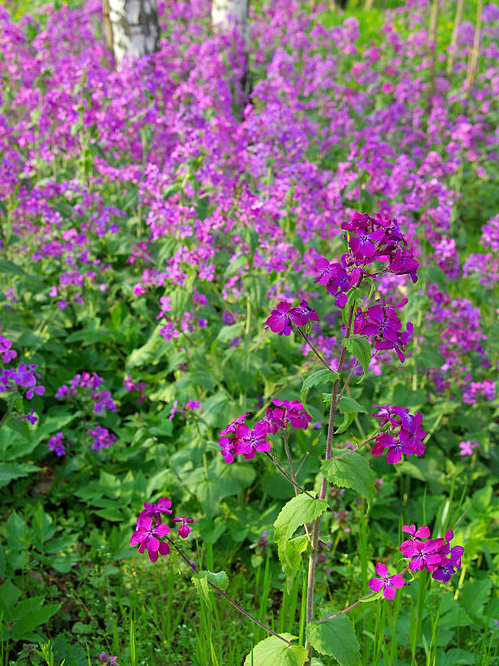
<point>248,346</point>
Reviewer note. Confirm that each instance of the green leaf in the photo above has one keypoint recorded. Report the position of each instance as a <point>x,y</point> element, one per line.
<point>350,409</point>
<point>352,471</point>
<point>290,557</point>
<point>11,471</point>
<point>361,349</point>
<point>201,581</point>
<point>350,406</point>
<point>42,526</point>
<point>274,652</point>
<point>23,627</point>
<point>10,268</point>
<point>298,511</point>
<point>337,639</point>
<point>320,377</point>
<point>9,594</point>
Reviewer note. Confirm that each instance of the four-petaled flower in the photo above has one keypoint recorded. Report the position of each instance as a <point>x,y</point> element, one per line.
<point>146,535</point>
<point>389,584</point>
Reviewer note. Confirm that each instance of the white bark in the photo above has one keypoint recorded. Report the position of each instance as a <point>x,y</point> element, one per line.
<point>225,14</point>
<point>132,27</point>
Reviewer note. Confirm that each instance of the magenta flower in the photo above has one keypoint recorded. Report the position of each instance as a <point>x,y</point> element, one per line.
<point>280,320</point>
<point>248,442</point>
<point>108,660</point>
<point>403,436</point>
<point>163,506</point>
<point>273,420</point>
<point>184,530</point>
<point>294,413</point>
<point>425,555</point>
<point>146,535</point>
<point>389,584</point>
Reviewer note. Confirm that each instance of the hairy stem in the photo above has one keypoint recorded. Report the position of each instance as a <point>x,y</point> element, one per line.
<point>290,460</point>
<point>226,596</point>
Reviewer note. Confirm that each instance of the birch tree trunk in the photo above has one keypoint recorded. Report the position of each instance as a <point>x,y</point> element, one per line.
<point>131,27</point>
<point>227,14</point>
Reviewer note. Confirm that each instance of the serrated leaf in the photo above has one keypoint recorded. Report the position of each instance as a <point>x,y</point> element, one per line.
<point>351,471</point>
<point>320,377</point>
<point>337,639</point>
<point>274,652</point>
<point>361,349</point>
<point>298,511</point>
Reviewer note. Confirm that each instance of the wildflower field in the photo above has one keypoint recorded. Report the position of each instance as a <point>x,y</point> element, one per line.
<point>248,341</point>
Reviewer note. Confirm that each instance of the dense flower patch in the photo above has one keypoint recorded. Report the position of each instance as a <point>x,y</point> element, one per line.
<point>175,257</point>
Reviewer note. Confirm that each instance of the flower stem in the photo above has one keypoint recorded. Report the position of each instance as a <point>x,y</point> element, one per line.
<point>312,562</point>
<point>226,596</point>
<point>321,359</point>
<point>284,473</point>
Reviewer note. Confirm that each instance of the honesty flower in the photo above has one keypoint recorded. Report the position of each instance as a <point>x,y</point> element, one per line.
<point>389,584</point>
<point>184,530</point>
<point>403,436</point>
<point>147,536</point>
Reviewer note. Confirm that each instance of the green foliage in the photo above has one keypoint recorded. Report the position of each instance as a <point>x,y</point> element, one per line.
<point>336,638</point>
<point>272,651</point>
<point>351,471</point>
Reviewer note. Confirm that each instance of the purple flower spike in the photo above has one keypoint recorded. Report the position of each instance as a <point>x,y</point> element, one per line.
<point>389,584</point>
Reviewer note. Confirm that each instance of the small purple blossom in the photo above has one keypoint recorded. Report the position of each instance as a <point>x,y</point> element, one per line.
<point>184,530</point>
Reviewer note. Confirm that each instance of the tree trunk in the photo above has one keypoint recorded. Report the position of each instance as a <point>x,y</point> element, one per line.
<point>131,27</point>
<point>227,14</point>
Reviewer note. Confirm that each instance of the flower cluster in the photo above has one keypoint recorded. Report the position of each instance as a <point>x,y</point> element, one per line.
<point>435,555</point>
<point>56,444</point>
<point>239,439</point>
<point>486,390</point>
<point>284,318</point>
<point>403,435</point>
<point>381,322</point>
<point>23,376</point>
<point>102,437</point>
<point>151,528</point>
<point>6,351</point>
<point>108,660</point>
<point>370,239</point>
<point>132,386</point>
<point>102,400</point>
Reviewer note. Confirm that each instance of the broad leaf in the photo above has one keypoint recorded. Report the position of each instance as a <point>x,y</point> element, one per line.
<point>320,377</point>
<point>298,511</point>
<point>337,639</point>
<point>361,349</point>
<point>290,555</point>
<point>274,652</point>
<point>351,471</point>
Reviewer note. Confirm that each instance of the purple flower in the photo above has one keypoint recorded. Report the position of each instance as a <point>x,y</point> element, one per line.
<point>294,413</point>
<point>404,435</point>
<point>147,536</point>
<point>184,530</point>
<point>163,506</point>
<point>108,660</point>
<point>467,447</point>
<point>56,444</point>
<point>102,437</point>
<point>389,584</point>
<point>248,442</point>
